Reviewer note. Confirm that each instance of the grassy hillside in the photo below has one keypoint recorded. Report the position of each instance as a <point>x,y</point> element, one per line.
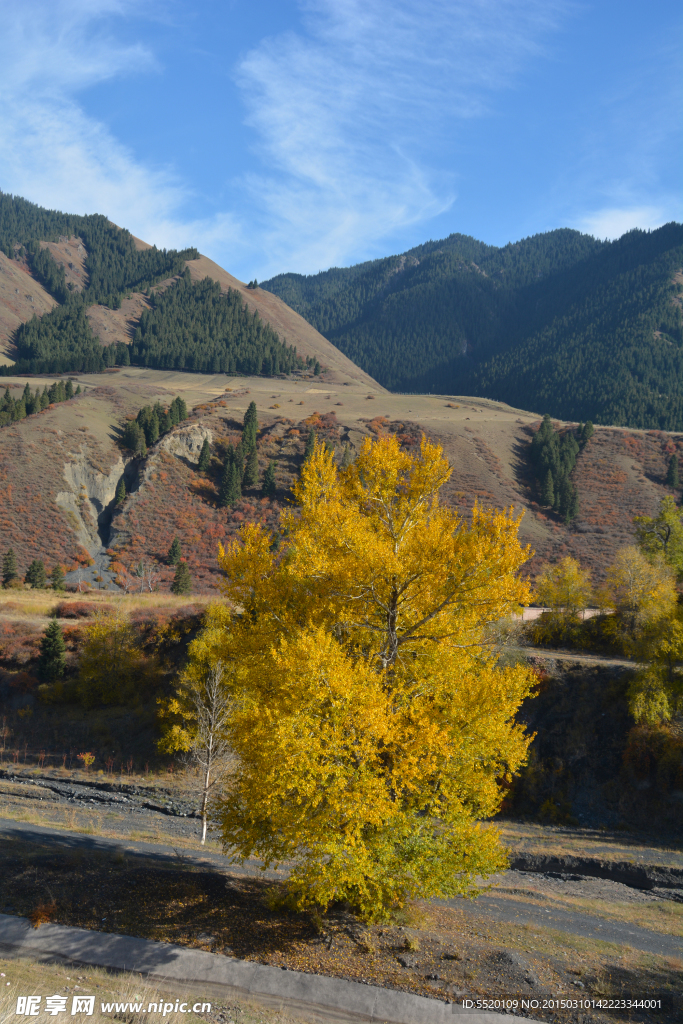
<point>559,322</point>
<point>61,467</point>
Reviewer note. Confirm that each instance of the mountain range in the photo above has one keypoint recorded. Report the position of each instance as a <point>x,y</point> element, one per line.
<point>132,326</point>
<point>559,322</point>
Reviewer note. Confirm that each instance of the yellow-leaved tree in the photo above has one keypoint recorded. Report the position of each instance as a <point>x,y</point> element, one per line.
<point>564,588</point>
<point>641,590</point>
<point>373,725</point>
<point>110,670</point>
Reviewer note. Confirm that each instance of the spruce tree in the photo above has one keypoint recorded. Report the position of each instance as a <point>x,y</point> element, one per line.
<point>204,456</point>
<point>268,486</point>
<point>78,389</point>
<point>238,454</point>
<point>9,568</point>
<point>548,492</point>
<point>234,486</point>
<point>572,507</point>
<point>250,478</point>
<point>52,653</point>
<point>69,389</point>
<point>182,581</point>
<point>672,480</point>
<point>134,438</point>
<point>35,575</point>
<point>121,492</point>
<point>250,428</point>
<point>225,478</point>
<point>310,444</point>
<point>174,552</point>
<point>346,457</point>
<point>57,578</point>
<point>27,393</point>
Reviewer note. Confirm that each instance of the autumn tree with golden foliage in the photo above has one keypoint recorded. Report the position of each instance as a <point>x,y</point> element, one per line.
<point>564,588</point>
<point>640,589</point>
<point>373,725</point>
<point>110,667</point>
<point>655,694</point>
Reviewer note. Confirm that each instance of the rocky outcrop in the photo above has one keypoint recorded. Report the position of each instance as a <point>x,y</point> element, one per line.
<point>185,442</point>
<point>88,501</point>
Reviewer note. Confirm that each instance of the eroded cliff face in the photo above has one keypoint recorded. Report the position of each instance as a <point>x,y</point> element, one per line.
<point>183,443</point>
<point>89,501</point>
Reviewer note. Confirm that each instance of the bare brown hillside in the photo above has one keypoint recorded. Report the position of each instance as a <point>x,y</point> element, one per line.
<point>21,297</point>
<point>60,468</point>
<point>291,327</point>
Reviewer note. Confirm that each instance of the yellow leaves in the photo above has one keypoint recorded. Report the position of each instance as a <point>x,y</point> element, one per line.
<point>175,739</point>
<point>564,587</point>
<point>639,587</point>
<point>371,723</point>
<point>109,659</point>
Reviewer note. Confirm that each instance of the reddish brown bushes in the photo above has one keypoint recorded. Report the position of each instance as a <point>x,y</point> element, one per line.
<point>81,610</point>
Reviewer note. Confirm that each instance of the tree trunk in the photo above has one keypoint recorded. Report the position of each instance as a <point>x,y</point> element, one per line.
<point>205,799</point>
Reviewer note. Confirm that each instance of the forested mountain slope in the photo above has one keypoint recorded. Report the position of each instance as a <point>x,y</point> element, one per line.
<point>559,322</point>
<point>80,294</point>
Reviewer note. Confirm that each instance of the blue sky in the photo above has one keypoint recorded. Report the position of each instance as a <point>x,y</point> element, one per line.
<point>303,134</point>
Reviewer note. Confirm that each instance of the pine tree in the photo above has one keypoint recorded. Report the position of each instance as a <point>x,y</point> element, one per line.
<point>134,438</point>
<point>69,389</point>
<point>316,368</point>
<point>9,568</point>
<point>174,552</point>
<point>57,578</point>
<point>204,456</point>
<point>268,486</point>
<point>231,481</point>
<point>121,492</point>
<point>572,505</point>
<point>182,581</point>
<point>225,477</point>
<point>250,428</point>
<point>238,454</point>
<point>52,653</point>
<point>672,480</point>
<point>234,486</point>
<point>250,478</point>
<point>35,575</point>
<point>346,457</point>
<point>548,492</point>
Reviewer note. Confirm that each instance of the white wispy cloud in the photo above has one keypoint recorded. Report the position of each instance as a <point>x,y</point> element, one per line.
<point>625,175</point>
<point>348,113</point>
<point>51,151</point>
<point>614,222</point>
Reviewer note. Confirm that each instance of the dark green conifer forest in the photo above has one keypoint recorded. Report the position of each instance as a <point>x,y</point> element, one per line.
<point>197,327</point>
<point>559,323</point>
